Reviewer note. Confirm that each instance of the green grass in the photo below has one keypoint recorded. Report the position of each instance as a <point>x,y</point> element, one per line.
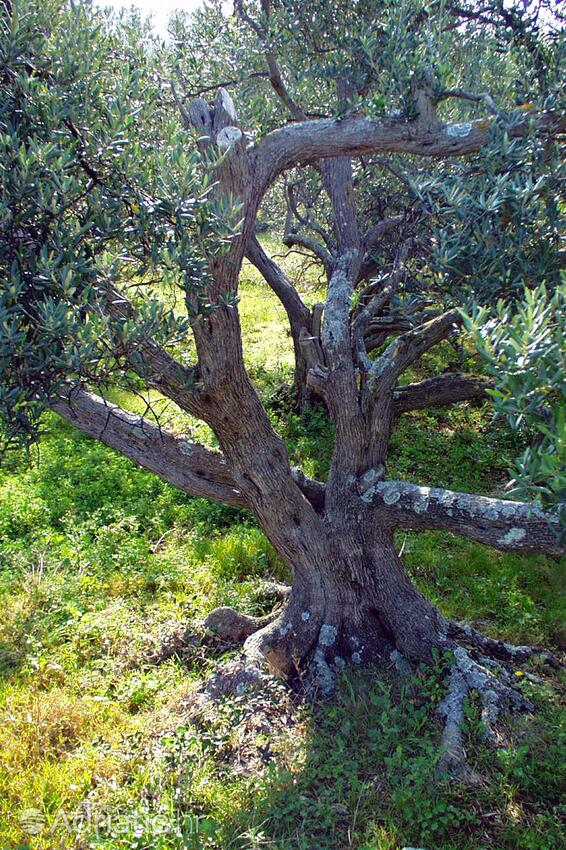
<point>99,560</point>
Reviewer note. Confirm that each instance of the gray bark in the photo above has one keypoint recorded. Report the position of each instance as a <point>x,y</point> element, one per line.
<point>507,525</point>
<point>441,390</point>
<point>329,137</point>
<point>189,466</point>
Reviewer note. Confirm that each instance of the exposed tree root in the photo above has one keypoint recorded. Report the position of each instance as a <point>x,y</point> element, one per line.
<point>496,694</point>
<point>500,649</point>
<point>233,626</point>
<point>453,761</point>
<point>482,665</point>
<point>275,590</point>
<point>490,675</point>
<point>234,677</point>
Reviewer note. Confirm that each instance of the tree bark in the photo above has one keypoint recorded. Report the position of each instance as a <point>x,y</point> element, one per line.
<point>330,137</point>
<point>299,316</point>
<point>500,523</point>
<point>441,390</point>
<point>354,606</point>
<point>351,600</point>
<point>189,466</point>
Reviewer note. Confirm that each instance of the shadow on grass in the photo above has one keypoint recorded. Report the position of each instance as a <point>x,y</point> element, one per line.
<point>360,772</point>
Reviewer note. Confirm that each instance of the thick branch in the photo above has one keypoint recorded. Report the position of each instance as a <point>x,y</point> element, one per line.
<point>410,346</point>
<point>395,323</point>
<point>313,490</point>
<point>305,342</point>
<point>292,238</point>
<point>331,137</point>
<point>443,389</point>
<point>375,234</point>
<point>296,309</point>
<point>483,97</point>
<point>148,359</point>
<point>188,466</point>
<point>506,525</point>
<point>337,179</point>
<point>371,242</point>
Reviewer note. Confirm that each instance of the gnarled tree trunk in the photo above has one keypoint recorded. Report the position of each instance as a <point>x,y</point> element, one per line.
<point>354,607</point>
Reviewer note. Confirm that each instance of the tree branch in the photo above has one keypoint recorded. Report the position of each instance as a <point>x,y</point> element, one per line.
<point>509,526</point>
<point>375,234</point>
<point>308,221</point>
<point>148,359</point>
<point>188,466</point>
<point>198,91</point>
<point>440,390</point>
<point>364,316</point>
<point>330,137</point>
<point>372,240</point>
<point>194,469</point>
<point>313,490</point>
<point>291,238</point>
<point>395,323</point>
<point>387,286</point>
<point>410,346</point>
<point>483,97</point>
<point>305,340</point>
<point>275,77</point>
<point>296,309</point>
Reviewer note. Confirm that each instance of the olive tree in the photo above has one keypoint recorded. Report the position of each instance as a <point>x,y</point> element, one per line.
<point>108,181</point>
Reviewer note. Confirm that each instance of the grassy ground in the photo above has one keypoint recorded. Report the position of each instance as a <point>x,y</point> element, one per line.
<point>99,560</point>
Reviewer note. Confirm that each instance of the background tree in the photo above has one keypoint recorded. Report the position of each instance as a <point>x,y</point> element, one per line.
<point>92,208</point>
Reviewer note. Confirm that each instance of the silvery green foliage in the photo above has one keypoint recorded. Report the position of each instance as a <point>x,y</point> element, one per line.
<point>88,199</point>
<point>524,346</point>
<point>496,221</point>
